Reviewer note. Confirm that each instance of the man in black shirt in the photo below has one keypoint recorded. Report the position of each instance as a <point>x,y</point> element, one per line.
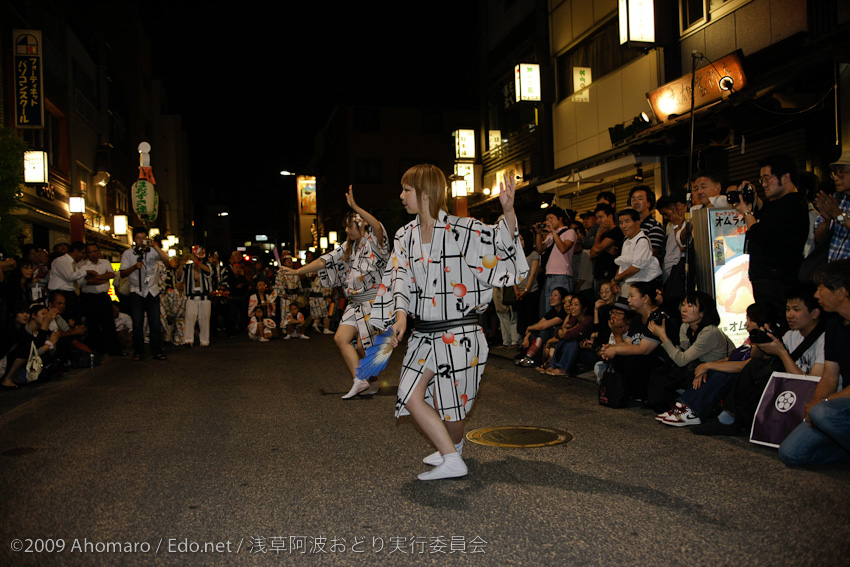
<point>609,240</point>
<point>777,229</point>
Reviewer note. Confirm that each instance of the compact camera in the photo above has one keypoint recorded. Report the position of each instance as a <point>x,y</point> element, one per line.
<point>748,194</point>
<point>658,316</point>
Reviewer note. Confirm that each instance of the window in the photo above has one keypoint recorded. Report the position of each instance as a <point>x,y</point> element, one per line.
<point>693,14</point>
<point>601,51</point>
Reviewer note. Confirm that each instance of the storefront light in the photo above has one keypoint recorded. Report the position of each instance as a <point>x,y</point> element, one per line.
<point>120,222</point>
<point>77,204</point>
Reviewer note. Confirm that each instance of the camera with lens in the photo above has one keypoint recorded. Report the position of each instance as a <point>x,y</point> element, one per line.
<point>757,336</point>
<point>658,317</point>
<point>748,194</point>
<point>540,226</point>
<point>141,250</point>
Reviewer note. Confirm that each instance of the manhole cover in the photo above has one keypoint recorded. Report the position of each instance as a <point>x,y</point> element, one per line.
<point>518,436</point>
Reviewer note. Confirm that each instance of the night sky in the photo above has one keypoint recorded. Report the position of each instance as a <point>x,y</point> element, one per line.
<point>255,86</point>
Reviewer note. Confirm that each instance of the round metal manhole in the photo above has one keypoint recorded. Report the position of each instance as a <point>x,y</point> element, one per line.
<point>518,436</point>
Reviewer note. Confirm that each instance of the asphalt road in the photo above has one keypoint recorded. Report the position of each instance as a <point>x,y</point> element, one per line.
<point>244,454</point>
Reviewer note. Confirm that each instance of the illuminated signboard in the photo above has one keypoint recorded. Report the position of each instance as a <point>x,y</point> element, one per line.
<point>527,81</point>
<point>637,21</point>
<point>674,98</point>
<point>35,167</point>
<point>465,144</point>
<point>307,194</point>
<point>29,99</point>
<point>116,267</point>
<point>465,186</point>
<point>581,80</point>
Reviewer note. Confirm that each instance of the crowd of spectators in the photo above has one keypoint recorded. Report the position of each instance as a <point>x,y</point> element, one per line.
<point>641,316</point>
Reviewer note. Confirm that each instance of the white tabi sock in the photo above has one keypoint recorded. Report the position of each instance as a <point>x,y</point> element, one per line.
<point>451,467</point>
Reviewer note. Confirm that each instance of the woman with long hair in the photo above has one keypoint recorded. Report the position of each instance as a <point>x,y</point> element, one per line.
<point>357,266</point>
<point>442,271</point>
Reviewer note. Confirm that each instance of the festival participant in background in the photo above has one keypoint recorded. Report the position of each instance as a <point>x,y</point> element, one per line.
<point>442,271</point>
<point>356,265</point>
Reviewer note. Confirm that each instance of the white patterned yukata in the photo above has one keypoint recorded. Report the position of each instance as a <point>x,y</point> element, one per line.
<point>287,289</point>
<point>319,295</point>
<point>360,277</point>
<point>467,259</point>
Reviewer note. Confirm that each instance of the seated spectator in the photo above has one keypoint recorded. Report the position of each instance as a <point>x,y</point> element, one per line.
<point>123,326</point>
<point>268,301</point>
<point>637,358</point>
<point>801,351</point>
<point>616,331</point>
<point>70,334</point>
<point>261,328</point>
<point>824,436</point>
<point>34,331</point>
<point>700,340</point>
<point>608,294</point>
<point>294,323</point>
<point>712,380</point>
<point>20,286</point>
<point>577,327</point>
<point>538,333</point>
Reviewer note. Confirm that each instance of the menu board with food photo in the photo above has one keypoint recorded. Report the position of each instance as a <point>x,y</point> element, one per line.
<point>730,271</point>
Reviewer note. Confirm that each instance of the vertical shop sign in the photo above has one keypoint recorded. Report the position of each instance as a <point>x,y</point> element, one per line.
<point>29,91</point>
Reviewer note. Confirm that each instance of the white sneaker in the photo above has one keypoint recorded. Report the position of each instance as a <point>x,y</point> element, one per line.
<point>303,336</point>
<point>681,417</point>
<point>327,332</point>
<point>451,467</point>
<point>356,388</point>
<point>669,412</point>
<point>436,459</point>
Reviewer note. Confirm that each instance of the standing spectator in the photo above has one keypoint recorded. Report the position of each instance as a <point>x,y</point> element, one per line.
<point>195,274</point>
<point>835,211</point>
<point>528,290</point>
<point>636,262</point>
<point>218,309</point>
<point>673,210</point>
<point>236,285</point>
<point>708,189</point>
<point>139,264</point>
<point>65,275</point>
<point>642,199</point>
<point>557,253</point>
<point>776,231</point>
<point>174,305</point>
<point>609,240</point>
<point>97,305</point>
<point>607,198</point>
<point>824,437</point>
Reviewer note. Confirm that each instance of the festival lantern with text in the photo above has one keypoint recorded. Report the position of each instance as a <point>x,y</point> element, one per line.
<point>145,197</point>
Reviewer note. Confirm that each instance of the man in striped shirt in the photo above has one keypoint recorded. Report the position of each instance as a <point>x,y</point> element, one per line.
<point>642,199</point>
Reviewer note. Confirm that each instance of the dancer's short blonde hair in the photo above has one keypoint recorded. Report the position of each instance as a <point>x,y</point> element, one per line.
<point>429,180</point>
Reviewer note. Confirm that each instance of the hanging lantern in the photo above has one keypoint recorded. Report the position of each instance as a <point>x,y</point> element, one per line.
<point>144,198</point>
<point>155,212</point>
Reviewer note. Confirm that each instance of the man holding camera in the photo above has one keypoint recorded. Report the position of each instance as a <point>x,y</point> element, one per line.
<point>139,264</point>
<point>777,229</point>
<point>555,239</point>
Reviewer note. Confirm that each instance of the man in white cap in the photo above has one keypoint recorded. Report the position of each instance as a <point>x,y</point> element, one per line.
<point>834,210</point>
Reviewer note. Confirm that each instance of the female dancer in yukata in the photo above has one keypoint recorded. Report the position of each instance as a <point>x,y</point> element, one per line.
<point>357,266</point>
<point>442,271</point>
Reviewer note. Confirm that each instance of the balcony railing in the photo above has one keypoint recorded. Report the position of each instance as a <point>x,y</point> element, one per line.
<point>517,147</point>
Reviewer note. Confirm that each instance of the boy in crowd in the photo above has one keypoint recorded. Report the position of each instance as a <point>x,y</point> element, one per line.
<point>824,437</point>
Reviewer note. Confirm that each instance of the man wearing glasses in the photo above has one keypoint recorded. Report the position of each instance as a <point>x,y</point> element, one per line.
<point>835,211</point>
<point>777,229</point>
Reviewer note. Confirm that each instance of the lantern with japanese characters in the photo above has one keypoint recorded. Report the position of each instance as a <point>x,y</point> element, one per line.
<point>145,198</point>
